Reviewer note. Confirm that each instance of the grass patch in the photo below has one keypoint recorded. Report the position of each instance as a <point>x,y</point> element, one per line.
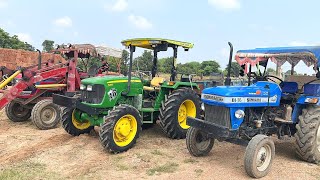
<point>198,171</point>
<point>166,168</point>
<point>157,152</point>
<point>190,160</point>
<point>27,170</point>
<point>122,167</point>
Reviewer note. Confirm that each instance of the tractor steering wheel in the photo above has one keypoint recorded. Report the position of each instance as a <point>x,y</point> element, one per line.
<point>268,77</point>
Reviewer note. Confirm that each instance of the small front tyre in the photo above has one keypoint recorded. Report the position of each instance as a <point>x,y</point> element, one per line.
<point>72,124</point>
<point>259,156</point>
<point>46,115</point>
<point>198,143</point>
<point>121,129</point>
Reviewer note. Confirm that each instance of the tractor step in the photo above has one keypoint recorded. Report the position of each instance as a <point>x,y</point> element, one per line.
<point>277,119</point>
<point>150,110</point>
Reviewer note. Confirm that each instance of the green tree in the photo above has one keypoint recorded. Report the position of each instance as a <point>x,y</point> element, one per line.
<point>235,69</point>
<point>143,62</point>
<point>13,42</point>
<point>125,61</point>
<point>189,68</point>
<point>270,70</point>
<point>47,45</point>
<point>165,65</point>
<point>209,67</point>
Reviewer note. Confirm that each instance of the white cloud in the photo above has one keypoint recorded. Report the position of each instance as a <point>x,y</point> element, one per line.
<point>3,3</point>
<point>63,22</point>
<point>299,43</point>
<point>24,37</point>
<point>140,22</point>
<point>225,4</point>
<point>118,6</point>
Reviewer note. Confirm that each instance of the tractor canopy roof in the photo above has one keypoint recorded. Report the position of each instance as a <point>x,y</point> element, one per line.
<point>87,50</point>
<point>279,55</point>
<point>150,43</point>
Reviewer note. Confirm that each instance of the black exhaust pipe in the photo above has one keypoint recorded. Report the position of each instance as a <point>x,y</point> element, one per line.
<point>39,59</point>
<point>228,79</point>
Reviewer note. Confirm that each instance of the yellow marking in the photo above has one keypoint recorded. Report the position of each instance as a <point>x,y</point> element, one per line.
<point>122,81</point>
<point>45,86</point>
<point>5,82</point>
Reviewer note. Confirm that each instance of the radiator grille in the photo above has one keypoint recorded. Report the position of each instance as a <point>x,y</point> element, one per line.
<point>218,114</point>
<point>95,96</point>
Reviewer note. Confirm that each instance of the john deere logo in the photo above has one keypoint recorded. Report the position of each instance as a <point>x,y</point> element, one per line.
<point>112,94</point>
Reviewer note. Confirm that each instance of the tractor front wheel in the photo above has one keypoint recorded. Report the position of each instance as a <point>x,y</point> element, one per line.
<point>72,125</point>
<point>308,135</point>
<point>46,115</point>
<point>16,112</point>
<point>259,156</point>
<point>198,142</point>
<point>174,111</point>
<point>121,129</point>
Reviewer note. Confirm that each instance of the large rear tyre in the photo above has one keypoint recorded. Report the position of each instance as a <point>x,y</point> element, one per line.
<point>259,156</point>
<point>46,115</point>
<point>121,129</point>
<point>308,135</point>
<point>16,112</point>
<point>174,111</point>
<point>198,143</point>
<point>72,125</point>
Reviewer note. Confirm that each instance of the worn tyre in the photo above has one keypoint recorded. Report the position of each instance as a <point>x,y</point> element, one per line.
<point>121,129</point>
<point>259,156</point>
<point>16,112</point>
<point>73,126</point>
<point>175,109</point>
<point>308,135</point>
<point>46,115</point>
<point>198,143</point>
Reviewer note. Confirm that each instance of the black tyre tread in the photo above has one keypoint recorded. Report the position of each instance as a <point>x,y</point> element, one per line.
<point>10,114</point>
<point>168,112</point>
<point>66,121</point>
<point>250,155</point>
<point>106,130</point>
<point>35,115</point>
<point>306,146</point>
<point>193,150</point>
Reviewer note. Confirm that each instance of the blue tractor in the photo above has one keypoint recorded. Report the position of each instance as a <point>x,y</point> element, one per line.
<point>250,115</point>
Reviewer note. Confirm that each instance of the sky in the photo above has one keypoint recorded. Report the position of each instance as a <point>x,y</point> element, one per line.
<point>209,24</point>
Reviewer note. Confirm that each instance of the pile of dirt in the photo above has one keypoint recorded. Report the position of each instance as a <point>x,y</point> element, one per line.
<point>12,58</point>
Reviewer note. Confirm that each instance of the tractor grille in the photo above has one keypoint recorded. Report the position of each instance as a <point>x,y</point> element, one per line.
<point>95,96</point>
<point>218,114</point>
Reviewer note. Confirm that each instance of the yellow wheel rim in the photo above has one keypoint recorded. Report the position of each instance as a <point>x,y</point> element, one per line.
<point>79,125</point>
<point>125,130</point>
<point>187,108</point>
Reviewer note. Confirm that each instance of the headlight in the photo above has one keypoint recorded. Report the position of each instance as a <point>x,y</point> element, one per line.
<point>202,106</point>
<point>311,100</point>
<point>239,114</point>
<point>82,87</point>
<point>89,88</point>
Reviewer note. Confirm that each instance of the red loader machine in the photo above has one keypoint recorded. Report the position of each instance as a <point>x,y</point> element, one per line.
<point>31,96</point>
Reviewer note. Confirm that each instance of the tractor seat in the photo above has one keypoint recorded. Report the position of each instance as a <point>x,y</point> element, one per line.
<point>289,90</point>
<point>154,84</point>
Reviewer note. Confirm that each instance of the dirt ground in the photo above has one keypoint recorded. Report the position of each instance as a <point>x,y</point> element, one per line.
<point>28,153</point>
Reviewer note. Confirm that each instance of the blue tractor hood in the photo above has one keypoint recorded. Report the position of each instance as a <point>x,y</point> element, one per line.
<point>261,94</point>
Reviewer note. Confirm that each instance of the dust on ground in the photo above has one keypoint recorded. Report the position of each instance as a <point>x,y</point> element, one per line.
<point>29,153</point>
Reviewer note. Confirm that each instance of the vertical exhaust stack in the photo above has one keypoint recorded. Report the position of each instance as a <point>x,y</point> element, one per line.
<point>39,59</point>
<point>228,79</point>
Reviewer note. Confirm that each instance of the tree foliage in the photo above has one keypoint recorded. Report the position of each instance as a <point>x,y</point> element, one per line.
<point>47,45</point>
<point>235,69</point>
<point>143,62</point>
<point>13,42</point>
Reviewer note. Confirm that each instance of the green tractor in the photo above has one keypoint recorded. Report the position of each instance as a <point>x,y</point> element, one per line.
<point>120,105</point>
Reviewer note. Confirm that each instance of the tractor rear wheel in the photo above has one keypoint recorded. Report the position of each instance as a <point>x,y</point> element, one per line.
<point>308,135</point>
<point>72,125</point>
<point>16,112</point>
<point>198,143</point>
<point>175,109</point>
<point>46,115</point>
<point>121,129</point>
<point>259,156</point>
